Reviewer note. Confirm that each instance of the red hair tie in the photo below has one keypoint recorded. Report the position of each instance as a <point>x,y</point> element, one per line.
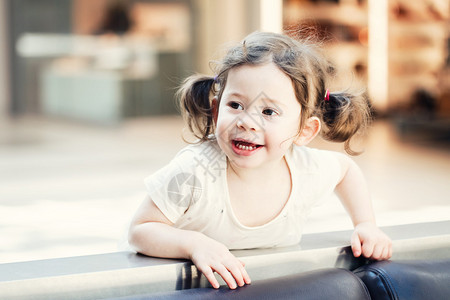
<point>327,95</point>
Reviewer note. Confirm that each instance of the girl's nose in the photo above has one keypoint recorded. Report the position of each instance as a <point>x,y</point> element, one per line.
<point>247,123</point>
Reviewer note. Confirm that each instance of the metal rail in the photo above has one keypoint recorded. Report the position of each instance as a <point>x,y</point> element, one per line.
<point>125,273</point>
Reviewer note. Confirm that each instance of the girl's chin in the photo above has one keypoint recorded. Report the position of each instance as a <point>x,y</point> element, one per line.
<point>238,164</point>
<point>245,162</point>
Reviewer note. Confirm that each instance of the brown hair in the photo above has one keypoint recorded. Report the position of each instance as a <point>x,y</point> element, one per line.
<point>344,115</point>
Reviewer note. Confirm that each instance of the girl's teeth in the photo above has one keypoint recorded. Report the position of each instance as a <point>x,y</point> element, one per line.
<point>249,148</point>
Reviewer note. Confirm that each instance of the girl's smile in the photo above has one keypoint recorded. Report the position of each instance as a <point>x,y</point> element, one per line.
<point>244,148</point>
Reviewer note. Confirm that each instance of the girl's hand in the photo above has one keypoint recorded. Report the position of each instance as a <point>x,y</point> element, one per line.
<point>371,242</point>
<point>211,256</point>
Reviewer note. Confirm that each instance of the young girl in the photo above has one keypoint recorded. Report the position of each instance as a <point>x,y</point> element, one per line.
<point>250,181</point>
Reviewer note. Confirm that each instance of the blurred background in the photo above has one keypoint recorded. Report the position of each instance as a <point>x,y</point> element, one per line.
<point>87,106</point>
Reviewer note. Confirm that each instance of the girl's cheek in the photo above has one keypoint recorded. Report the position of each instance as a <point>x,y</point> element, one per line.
<point>221,127</point>
<point>225,120</point>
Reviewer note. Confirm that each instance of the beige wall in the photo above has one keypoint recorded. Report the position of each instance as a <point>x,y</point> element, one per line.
<point>220,23</point>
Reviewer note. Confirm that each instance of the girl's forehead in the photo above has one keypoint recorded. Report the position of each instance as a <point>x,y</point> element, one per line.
<point>268,66</point>
<point>262,78</point>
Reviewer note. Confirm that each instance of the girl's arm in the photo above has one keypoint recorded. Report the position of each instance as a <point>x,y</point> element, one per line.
<point>367,238</point>
<point>151,233</point>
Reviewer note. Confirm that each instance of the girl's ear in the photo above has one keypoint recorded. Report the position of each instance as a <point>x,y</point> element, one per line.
<point>309,131</point>
<point>215,109</point>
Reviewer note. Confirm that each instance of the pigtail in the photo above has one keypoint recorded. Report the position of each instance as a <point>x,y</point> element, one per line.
<point>344,114</point>
<point>195,105</point>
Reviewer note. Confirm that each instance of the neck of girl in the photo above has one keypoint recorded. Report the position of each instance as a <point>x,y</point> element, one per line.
<point>269,172</point>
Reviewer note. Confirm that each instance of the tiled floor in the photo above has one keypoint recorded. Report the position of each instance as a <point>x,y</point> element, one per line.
<point>69,189</point>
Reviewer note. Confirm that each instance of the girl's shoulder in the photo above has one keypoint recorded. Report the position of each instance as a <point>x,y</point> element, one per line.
<point>205,159</point>
<point>319,170</point>
<point>189,179</point>
<point>312,159</point>
<point>205,153</point>
<point>206,148</point>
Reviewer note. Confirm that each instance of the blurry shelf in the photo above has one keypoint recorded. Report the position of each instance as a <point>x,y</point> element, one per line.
<point>295,12</point>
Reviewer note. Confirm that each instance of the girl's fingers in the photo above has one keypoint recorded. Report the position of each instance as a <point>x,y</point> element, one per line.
<point>226,275</point>
<point>233,274</point>
<point>243,275</point>
<point>367,249</point>
<point>385,254</point>
<point>226,266</point>
<point>247,279</point>
<point>378,252</point>
<point>209,274</point>
<point>356,245</point>
<point>236,272</point>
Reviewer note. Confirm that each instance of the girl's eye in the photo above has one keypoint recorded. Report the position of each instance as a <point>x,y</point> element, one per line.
<point>269,112</point>
<point>235,105</point>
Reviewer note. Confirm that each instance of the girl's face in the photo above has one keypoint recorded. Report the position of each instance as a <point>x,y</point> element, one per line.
<point>258,116</point>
